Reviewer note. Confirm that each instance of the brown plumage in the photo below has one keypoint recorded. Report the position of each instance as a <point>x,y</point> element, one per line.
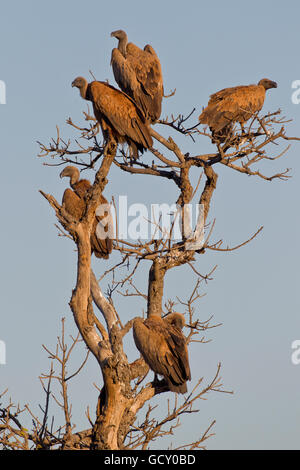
<point>163,347</point>
<point>138,73</point>
<point>236,104</point>
<point>74,203</point>
<point>119,117</point>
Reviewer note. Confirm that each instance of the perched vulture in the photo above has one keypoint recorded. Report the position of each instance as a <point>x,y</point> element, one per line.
<point>119,117</point>
<point>236,104</point>
<point>163,347</point>
<point>138,73</point>
<point>74,203</point>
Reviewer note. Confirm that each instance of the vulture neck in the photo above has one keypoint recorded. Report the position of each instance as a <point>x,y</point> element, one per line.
<point>83,90</point>
<point>122,46</point>
<point>74,179</point>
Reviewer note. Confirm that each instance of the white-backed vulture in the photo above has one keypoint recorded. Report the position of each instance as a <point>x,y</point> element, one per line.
<point>74,203</point>
<point>163,347</point>
<point>138,73</point>
<point>119,117</point>
<point>235,104</point>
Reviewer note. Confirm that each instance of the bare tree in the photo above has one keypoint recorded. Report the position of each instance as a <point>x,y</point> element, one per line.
<point>124,392</point>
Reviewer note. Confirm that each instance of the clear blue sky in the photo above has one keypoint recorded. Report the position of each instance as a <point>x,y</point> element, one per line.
<point>203,47</point>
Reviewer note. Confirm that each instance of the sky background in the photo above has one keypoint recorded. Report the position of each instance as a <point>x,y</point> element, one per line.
<point>203,47</point>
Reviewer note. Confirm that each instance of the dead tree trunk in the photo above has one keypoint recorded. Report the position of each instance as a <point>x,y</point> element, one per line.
<point>123,393</point>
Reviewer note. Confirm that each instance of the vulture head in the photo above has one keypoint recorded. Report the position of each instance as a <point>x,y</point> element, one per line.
<point>82,84</point>
<point>72,172</point>
<point>267,84</point>
<point>119,34</point>
<point>175,319</point>
<point>122,37</point>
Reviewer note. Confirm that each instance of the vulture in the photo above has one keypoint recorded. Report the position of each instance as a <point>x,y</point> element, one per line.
<point>74,203</point>
<point>119,117</point>
<point>138,73</point>
<point>163,347</point>
<point>235,104</point>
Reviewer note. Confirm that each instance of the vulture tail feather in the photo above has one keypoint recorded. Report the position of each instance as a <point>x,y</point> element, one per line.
<point>143,134</point>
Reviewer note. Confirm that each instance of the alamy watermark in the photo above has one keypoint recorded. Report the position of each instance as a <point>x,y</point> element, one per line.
<point>295,357</point>
<point>2,92</point>
<point>2,353</point>
<point>296,94</point>
<point>139,222</point>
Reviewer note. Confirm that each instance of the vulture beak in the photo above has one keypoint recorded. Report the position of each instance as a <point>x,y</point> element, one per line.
<point>275,84</point>
<point>61,175</point>
<point>73,83</point>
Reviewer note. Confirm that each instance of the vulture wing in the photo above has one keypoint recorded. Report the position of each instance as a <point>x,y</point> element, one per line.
<point>139,75</point>
<point>164,350</point>
<point>123,73</point>
<point>147,68</point>
<point>101,247</point>
<point>231,105</point>
<point>177,356</point>
<point>120,112</point>
<point>220,95</point>
<point>73,204</point>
